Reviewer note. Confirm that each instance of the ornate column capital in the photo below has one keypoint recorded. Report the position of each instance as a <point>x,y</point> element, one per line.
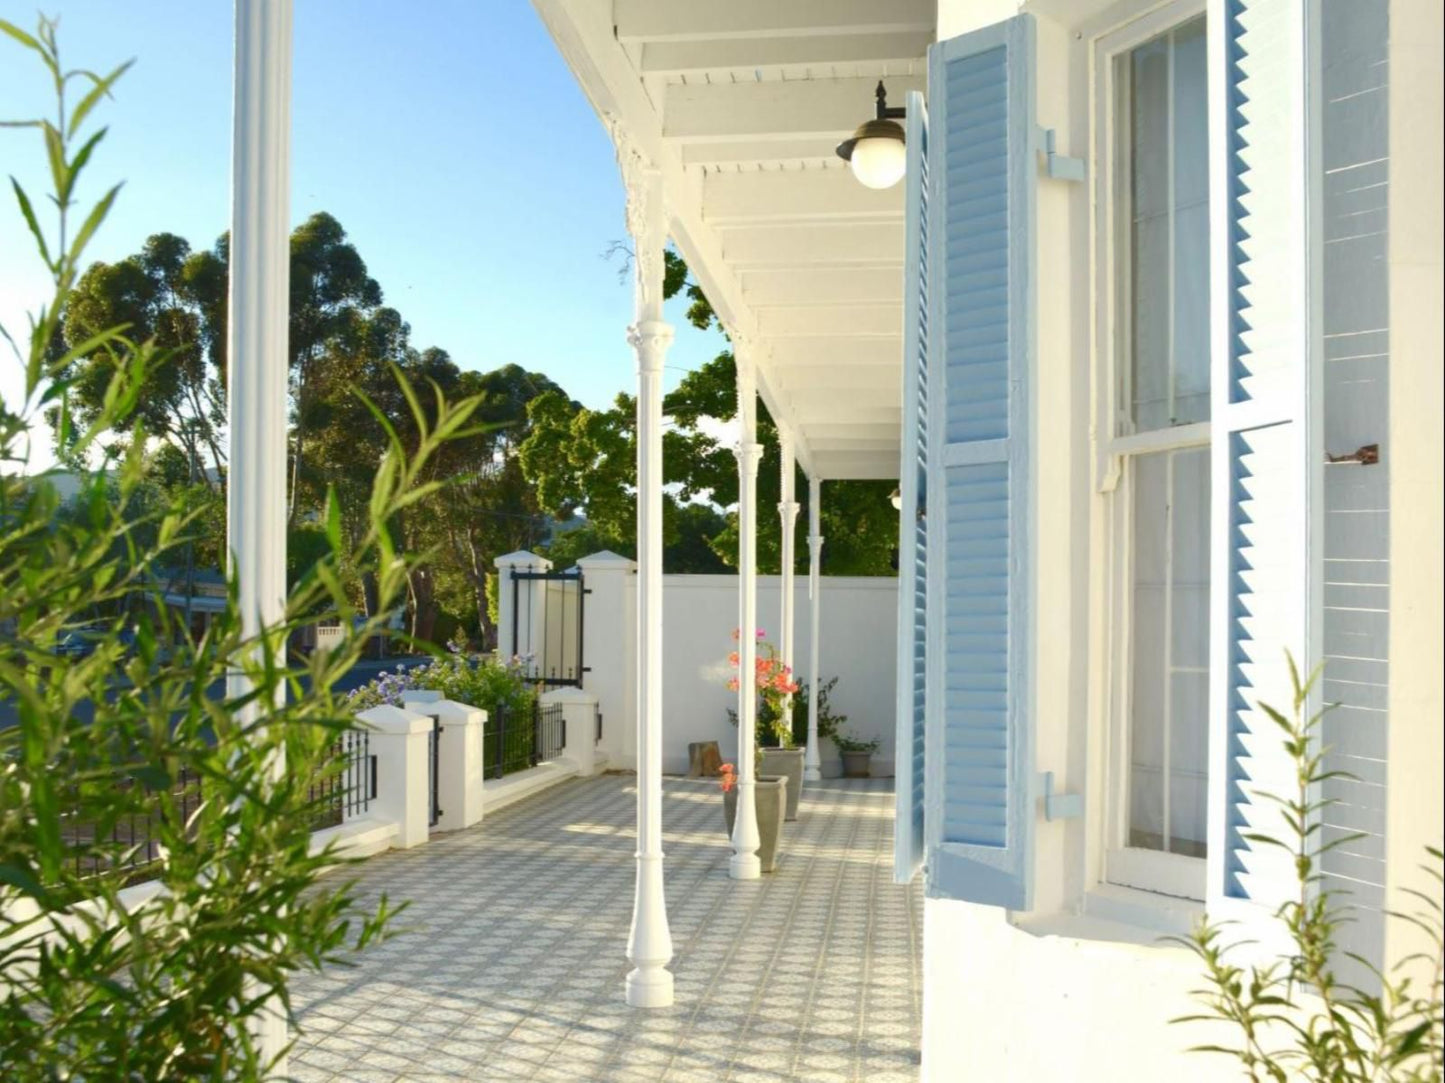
<point>651,339</point>
<point>749,454</point>
<point>789,509</point>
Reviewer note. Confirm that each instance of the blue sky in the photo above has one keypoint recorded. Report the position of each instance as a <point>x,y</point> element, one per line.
<point>448,137</point>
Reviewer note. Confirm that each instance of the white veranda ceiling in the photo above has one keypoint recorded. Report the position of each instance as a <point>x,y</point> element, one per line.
<point>741,104</point>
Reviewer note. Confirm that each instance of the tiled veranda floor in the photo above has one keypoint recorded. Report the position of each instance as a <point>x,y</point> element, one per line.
<point>511,958</point>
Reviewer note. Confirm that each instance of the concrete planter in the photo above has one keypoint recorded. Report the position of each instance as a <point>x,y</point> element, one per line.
<point>787,762</point>
<point>770,798</point>
<point>856,764</point>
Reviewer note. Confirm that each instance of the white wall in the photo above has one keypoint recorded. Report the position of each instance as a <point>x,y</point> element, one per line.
<point>699,612</point>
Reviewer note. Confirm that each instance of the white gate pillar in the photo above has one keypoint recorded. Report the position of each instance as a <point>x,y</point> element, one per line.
<point>521,607</point>
<point>256,350</point>
<point>649,984</point>
<point>812,759</point>
<point>788,513</point>
<point>744,864</point>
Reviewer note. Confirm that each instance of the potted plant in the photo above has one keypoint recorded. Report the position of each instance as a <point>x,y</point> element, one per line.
<point>770,800</point>
<point>777,755</point>
<point>856,754</point>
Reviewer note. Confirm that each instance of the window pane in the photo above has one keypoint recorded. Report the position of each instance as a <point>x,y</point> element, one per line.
<point>1168,735</point>
<point>1166,200</point>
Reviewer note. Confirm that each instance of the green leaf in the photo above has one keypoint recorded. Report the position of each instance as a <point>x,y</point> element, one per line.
<point>28,212</point>
<point>21,36</point>
<point>92,222</point>
<point>99,90</point>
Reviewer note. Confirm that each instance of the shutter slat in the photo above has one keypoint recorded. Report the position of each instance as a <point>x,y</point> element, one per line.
<point>911,762</point>
<point>979,768</point>
<point>1261,475</point>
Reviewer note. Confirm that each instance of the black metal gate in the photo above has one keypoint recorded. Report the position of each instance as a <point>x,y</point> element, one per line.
<point>434,747</point>
<point>553,622</point>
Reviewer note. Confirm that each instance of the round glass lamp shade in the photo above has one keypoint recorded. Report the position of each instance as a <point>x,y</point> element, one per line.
<point>876,154</point>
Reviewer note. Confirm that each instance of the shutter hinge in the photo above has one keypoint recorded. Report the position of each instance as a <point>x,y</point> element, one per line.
<point>1060,806</point>
<point>1056,165</point>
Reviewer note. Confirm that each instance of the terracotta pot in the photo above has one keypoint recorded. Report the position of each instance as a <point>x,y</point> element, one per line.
<point>787,762</point>
<point>770,798</point>
<point>856,765</point>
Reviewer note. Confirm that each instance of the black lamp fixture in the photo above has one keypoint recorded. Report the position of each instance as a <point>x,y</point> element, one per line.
<point>875,153</point>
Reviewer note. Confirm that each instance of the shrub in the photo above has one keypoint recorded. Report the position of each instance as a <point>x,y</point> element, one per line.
<point>179,987</point>
<point>1337,1032</point>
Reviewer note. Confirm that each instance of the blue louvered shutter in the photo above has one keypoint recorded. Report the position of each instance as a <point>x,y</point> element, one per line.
<point>980,807</point>
<point>1262,475</point>
<point>908,841</point>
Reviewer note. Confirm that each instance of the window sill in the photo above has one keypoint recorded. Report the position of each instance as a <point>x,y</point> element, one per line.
<point>1167,915</point>
<point>1119,915</point>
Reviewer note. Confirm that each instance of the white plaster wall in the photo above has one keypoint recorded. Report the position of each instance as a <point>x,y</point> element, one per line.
<point>859,625</point>
<point>1002,1003</point>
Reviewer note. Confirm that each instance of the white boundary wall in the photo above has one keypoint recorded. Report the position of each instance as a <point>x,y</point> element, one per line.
<point>699,612</point>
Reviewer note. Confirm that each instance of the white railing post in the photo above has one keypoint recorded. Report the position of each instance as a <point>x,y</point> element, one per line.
<point>649,984</point>
<point>399,741</point>
<point>813,758</point>
<point>459,762</point>
<point>579,714</point>
<point>744,863</point>
<point>609,649</point>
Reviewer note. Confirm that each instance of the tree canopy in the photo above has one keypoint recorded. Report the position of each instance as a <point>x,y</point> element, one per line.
<point>539,470</point>
<point>583,461</point>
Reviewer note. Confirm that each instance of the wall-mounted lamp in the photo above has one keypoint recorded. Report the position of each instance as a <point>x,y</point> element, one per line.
<point>896,499</point>
<point>875,153</point>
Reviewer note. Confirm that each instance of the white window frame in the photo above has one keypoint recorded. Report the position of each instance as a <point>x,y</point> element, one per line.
<point>1118,864</point>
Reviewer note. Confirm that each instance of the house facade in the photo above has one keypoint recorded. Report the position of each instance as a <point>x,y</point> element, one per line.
<point>1150,335</point>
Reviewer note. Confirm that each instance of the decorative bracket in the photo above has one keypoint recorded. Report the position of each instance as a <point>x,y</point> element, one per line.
<point>1056,165</point>
<point>1060,806</point>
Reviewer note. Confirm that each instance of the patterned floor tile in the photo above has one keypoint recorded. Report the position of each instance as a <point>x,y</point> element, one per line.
<point>509,963</point>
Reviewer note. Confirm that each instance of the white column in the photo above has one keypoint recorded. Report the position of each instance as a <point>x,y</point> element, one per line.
<point>812,759</point>
<point>256,348</point>
<point>649,984</point>
<point>788,513</point>
<point>744,864</point>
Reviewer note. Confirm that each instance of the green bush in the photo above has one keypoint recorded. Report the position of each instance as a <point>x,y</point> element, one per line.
<point>126,731</point>
<point>1335,1032</point>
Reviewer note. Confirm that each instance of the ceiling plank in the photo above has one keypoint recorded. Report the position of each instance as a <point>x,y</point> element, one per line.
<point>857,466</point>
<point>699,20</point>
<point>864,243</point>
<point>848,444</point>
<point>879,321</point>
<point>791,195</point>
<point>752,151</point>
<point>774,109</point>
<point>714,54</point>
<point>840,351</point>
<point>822,286</point>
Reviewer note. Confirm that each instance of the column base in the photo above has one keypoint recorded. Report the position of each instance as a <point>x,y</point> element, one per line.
<point>649,988</point>
<point>812,774</point>
<point>745,867</point>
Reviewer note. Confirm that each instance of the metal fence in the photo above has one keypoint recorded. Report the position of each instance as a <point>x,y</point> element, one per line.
<point>128,843</point>
<point>349,791</point>
<point>131,843</point>
<point>434,771</point>
<point>516,740</point>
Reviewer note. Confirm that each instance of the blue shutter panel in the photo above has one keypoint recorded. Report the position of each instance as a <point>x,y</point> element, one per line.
<point>908,839</point>
<point>980,814</point>
<point>1262,473</point>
